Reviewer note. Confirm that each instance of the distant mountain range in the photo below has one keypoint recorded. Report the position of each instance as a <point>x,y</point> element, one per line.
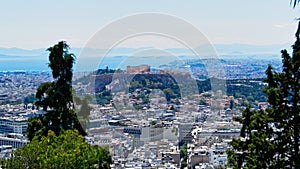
<point>220,48</point>
<point>37,59</point>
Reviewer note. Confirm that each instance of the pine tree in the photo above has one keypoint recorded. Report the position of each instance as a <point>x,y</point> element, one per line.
<point>56,97</point>
<point>270,138</point>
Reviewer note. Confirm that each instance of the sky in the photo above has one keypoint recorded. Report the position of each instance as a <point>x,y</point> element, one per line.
<point>36,24</point>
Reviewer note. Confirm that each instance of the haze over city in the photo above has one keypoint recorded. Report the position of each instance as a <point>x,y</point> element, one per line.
<point>34,24</point>
<point>150,84</point>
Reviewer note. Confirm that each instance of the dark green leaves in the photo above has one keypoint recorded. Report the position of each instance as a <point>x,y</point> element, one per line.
<point>270,138</point>
<point>56,98</point>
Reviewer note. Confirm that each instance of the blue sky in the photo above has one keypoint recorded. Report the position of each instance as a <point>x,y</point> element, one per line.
<point>35,24</point>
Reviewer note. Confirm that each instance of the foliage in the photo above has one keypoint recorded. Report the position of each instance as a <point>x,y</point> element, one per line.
<point>247,89</point>
<point>250,89</point>
<point>202,102</point>
<point>183,155</point>
<point>67,150</point>
<point>231,104</point>
<point>138,107</point>
<point>103,97</point>
<point>256,148</point>
<point>56,97</point>
<point>153,122</point>
<point>84,110</point>
<point>29,99</point>
<point>270,138</point>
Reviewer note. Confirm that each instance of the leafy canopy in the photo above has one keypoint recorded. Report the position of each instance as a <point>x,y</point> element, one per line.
<point>67,150</point>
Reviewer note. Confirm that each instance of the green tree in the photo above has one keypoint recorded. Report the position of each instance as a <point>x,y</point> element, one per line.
<point>169,94</point>
<point>183,155</point>
<point>67,150</point>
<point>84,110</point>
<point>56,97</point>
<point>202,102</point>
<point>231,105</point>
<point>270,138</point>
<point>255,149</point>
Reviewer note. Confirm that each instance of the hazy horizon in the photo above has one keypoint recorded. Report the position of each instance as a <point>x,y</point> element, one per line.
<point>33,24</point>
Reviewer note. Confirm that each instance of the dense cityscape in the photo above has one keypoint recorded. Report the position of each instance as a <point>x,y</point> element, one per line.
<point>150,85</point>
<point>142,128</point>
